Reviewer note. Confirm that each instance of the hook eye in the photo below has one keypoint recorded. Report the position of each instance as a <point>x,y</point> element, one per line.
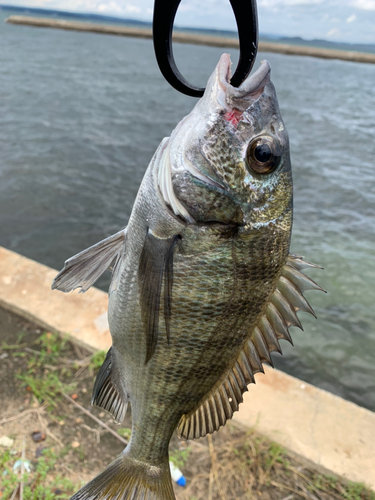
<point>245,12</point>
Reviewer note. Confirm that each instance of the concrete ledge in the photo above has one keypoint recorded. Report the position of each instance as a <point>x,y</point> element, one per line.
<point>334,434</point>
<point>193,38</point>
<point>25,288</point>
<point>327,430</point>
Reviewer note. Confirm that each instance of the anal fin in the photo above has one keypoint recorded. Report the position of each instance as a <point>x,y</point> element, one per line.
<point>106,394</point>
<point>219,404</point>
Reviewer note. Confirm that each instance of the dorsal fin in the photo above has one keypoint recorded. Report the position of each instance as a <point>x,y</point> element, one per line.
<point>224,398</point>
<point>86,267</point>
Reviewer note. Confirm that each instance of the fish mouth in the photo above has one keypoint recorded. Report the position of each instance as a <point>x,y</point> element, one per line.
<point>250,89</point>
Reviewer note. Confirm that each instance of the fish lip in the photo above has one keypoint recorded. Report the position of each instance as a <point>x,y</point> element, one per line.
<point>251,87</point>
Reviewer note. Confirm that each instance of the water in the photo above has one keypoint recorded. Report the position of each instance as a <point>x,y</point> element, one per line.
<point>81,115</point>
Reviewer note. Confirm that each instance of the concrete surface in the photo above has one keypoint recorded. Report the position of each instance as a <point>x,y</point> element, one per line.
<point>25,288</point>
<point>193,38</point>
<point>327,430</point>
<point>334,434</point>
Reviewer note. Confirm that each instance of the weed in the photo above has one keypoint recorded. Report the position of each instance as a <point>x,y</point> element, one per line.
<point>358,491</point>
<point>80,454</point>
<point>125,432</point>
<point>274,455</point>
<point>39,484</point>
<point>97,360</point>
<point>179,457</point>
<point>46,389</point>
<point>51,348</point>
<point>9,347</point>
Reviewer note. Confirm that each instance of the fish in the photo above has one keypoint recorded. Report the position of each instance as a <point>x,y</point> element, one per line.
<point>203,285</point>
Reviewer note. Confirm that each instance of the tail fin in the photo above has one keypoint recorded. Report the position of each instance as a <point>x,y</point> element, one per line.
<point>129,479</point>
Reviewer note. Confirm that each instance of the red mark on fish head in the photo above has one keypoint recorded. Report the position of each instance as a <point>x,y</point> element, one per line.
<point>233,117</point>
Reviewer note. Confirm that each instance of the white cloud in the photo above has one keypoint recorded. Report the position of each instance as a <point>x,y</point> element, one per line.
<point>306,18</point>
<point>364,4</point>
<point>134,9</point>
<point>276,3</point>
<point>109,7</point>
<point>334,32</point>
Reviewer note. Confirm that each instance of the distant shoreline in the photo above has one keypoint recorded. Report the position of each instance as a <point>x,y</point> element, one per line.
<point>192,38</point>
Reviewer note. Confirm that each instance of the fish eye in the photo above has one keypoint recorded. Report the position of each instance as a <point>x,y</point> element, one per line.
<point>263,155</point>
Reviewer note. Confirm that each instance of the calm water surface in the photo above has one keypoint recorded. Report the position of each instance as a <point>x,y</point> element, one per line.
<point>81,116</point>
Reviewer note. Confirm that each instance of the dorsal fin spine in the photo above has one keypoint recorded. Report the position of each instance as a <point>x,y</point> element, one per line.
<point>230,391</point>
<point>209,416</point>
<point>203,420</point>
<point>301,281</point>
<point>226,403</point>
<point>254,358</point>
<point>237,370</point>
<point>285,309</point>
<point>269,334</point>
<point>234,388</point>
<point>261,346</point>
<point>197,424</point>
<point>219,408</point>
<point>294,296</point>
<point>278,323</point>
<point>248,367</point>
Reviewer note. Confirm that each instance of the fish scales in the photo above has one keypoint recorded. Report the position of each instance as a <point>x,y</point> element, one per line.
<point>203,285</point>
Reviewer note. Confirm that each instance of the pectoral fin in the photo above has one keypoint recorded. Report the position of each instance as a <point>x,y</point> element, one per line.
<point>156,267</point>
<point>86,267</point>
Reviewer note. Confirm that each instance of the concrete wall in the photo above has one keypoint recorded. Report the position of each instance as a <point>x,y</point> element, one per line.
<point>335,435</point>
<point>193,38</point>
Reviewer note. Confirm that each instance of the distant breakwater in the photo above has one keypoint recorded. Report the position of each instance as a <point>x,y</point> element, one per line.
<point>191,38</point>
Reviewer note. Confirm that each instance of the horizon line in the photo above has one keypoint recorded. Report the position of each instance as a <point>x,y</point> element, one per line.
<point>116,17</point>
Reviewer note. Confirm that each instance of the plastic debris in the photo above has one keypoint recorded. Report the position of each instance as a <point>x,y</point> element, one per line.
<point>177,475</point>
<point>38,436</point>
<point>6,441</point>
<point>39,451</point>
<point>18,465</point>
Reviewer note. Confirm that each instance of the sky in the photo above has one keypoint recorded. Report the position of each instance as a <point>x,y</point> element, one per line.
<point>350,21</point>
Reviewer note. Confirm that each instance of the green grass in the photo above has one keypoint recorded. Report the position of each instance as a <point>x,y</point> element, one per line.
<point>251,457</point>
<point>46,386</point>
<point>125,433</point>
<point>179,457</point>
<point>46,389</point>
<point>39,484</point>
<point>52,346</point>
<point>358,491</point>
<point>97,360</point>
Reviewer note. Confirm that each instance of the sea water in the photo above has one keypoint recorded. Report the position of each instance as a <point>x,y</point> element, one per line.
<point>81,115</point>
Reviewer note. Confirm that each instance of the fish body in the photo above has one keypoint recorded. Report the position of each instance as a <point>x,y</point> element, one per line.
<point>203,285</point>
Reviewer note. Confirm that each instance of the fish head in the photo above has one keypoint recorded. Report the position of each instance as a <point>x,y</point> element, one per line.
<point>229,157</point>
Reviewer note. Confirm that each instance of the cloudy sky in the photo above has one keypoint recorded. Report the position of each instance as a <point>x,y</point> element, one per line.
<point>337,20</point>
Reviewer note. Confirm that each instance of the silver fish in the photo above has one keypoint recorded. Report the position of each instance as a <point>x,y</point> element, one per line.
<point>203,286</point>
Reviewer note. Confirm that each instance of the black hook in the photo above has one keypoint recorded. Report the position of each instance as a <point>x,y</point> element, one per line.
<point>245,12</point>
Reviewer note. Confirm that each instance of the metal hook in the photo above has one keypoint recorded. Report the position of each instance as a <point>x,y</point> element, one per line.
<point>245,12</point>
